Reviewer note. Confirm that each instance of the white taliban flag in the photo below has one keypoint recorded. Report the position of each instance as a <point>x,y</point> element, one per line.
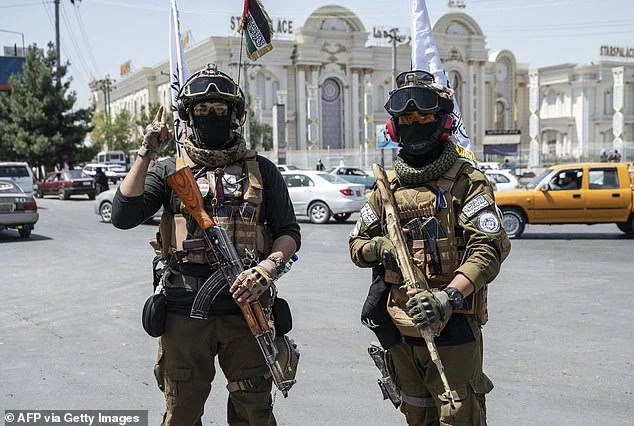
<point>425,57</point>
<point>179,73</point>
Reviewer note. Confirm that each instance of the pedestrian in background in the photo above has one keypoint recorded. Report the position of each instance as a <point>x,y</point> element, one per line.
<point>101,181</point>
<point>320,166</point>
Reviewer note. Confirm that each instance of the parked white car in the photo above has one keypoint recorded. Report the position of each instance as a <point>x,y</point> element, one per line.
<point>20,173</point>
<point>103,206</point>
<point>113,172</point>
<point>504,179</point>
<point>287,168</point>
<point>320,195</point>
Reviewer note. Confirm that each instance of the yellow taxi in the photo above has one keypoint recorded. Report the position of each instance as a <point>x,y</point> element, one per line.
<point>572,194</point>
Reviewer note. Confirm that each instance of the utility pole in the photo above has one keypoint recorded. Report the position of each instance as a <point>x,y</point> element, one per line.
<point>247,100</point>
<point>395,37</point>
<point>106,85</point>
<point>59,58</point>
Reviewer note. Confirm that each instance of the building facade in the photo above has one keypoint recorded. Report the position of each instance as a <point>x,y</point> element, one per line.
<point>333,84</point>
<point>577,113</point>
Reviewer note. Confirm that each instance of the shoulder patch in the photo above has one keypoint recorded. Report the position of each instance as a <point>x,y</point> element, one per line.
<point>368,216</point>
<point>475,205</point>
<point>488,222</point>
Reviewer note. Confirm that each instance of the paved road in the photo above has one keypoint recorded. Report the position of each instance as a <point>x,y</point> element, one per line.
<point>559,344</point>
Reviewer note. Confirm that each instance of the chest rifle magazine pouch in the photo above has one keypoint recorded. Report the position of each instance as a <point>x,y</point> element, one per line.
<point>153,317</point>
<point>282,318</point>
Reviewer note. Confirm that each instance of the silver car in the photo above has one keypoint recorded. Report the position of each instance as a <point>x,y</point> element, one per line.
<point>103,206</point>
<point>320,195</point>
<point>17,209</point>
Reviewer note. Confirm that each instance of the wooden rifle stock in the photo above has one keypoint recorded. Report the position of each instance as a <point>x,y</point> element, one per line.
<point>413,277</point>
<point>184,185</point>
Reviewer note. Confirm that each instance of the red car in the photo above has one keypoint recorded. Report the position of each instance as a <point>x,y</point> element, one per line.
<point>66,183</point>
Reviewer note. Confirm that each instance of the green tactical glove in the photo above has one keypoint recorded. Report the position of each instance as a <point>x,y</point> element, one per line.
<point>251,283</point>
<point>383,249</point>
<point>433,309</point>
<point>155,136</point>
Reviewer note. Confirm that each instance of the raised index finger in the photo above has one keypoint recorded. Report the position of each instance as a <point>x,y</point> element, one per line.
<point>159,114</point>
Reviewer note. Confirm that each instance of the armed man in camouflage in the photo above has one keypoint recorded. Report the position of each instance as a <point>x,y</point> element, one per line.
<point>455,237</point>
<point>246,195</point>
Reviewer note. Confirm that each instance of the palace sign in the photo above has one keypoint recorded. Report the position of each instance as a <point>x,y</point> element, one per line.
<point>623,52</point>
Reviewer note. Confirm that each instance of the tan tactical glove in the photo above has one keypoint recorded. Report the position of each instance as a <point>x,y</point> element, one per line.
<point>250,284</point>
<point>383,249</point>
<point>429,309</point>
<point>155,136</point>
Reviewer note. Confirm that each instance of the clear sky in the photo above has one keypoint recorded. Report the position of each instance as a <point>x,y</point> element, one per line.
<point>97,36</point>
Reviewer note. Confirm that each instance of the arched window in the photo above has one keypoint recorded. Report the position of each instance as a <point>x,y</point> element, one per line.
<point>260,88</point>
<point>380,98</point>
<point>608,102</point>
<point>457,29</point>
<point>500,113</point>
<point>454,82</point>
<point>334,24</point>
<point>275,88</point>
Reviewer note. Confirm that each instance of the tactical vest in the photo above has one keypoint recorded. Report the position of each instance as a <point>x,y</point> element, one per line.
<point>233,199</point>
<point>434,199</point>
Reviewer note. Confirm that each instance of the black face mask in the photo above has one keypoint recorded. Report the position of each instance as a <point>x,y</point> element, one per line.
<point>419,146</point>
<point>212,131</point>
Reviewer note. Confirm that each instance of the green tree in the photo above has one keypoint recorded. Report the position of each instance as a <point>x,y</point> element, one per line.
<point>117,134</point>
<point>260,134</point>
<point>39,122</point>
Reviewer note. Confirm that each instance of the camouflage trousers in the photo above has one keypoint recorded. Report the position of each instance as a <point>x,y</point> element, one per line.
<point>185,369</point>
<point>418,379</point>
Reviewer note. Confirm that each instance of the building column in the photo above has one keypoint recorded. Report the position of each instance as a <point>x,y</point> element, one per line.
<point>368,117</point>
<point>533,121</point>
<point>483,106</point>
<point>301,110</point>
<point>618,120</point>
<point>470,101</point>
<point>347,106</point>
<point>355,109</point>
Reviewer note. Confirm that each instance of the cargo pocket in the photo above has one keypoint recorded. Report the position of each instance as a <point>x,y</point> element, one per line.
<point>178,382</point>
<point>481,386</point>
<point>159,369</point>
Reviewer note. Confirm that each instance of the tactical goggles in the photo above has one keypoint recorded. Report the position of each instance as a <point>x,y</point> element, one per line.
<point>419,98</point>
<point>206,85</point>
<point>202,109</point>
<point>414,77</point>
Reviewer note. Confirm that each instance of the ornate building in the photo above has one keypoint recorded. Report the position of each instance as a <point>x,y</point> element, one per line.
<point>333,84</point>
<point>578,112</point>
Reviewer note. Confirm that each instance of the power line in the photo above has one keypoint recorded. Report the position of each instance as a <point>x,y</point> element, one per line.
<point>35,3</point>
<point>78,54</point>
<point>85,37</point>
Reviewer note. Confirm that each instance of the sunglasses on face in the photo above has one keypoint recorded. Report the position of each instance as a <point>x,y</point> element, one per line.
<point>416,117</point>
<point>202,109</point>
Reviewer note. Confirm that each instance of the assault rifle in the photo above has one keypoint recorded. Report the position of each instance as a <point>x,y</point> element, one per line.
<point>412,276</point>
<point>230,266</point>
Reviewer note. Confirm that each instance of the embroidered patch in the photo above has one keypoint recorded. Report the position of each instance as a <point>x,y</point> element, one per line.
<point>488,222</point>
<point>356,229</point>
<point>368,216</point>
<point>474,206</point>
<point>203,185</point>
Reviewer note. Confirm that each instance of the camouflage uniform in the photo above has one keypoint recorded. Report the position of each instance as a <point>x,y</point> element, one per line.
<point>475,245</point>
